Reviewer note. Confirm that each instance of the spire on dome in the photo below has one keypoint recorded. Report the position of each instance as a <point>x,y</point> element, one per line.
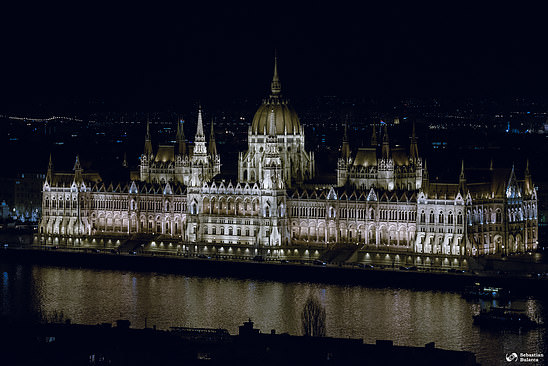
<point>275,86</point>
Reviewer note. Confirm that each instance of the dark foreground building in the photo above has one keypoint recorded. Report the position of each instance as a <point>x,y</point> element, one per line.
<point>74,344</point>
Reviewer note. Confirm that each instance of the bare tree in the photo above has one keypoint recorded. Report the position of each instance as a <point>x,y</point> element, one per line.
<point>313,318</point>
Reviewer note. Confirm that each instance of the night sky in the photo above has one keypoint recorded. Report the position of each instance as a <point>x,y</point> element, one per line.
<point>139,55</point>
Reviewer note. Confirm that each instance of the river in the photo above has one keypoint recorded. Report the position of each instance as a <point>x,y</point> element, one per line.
<point>405,316</point>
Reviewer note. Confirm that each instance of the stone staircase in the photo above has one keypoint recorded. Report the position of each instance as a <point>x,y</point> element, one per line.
<point>339,254</point>
<point>134,243</point>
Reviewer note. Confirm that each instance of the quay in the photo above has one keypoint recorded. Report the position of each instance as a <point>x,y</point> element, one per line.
<point>295,270</point>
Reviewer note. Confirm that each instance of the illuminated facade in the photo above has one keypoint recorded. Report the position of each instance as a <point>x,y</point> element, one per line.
<point>383,200</point>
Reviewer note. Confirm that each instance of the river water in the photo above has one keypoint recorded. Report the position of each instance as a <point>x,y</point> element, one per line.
<point>405,316</point>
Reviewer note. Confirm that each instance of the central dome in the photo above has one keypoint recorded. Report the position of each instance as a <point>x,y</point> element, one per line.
<point>285,116</point>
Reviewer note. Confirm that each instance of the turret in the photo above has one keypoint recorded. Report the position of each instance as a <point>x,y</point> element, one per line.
<point>528,184</point>
<point>49,175</point>
<point>77,171</point>
<point>385,144</point>
<point>199,139</point>
<point>212,148</point>
<point>374,137</point>
<point>425,177</point>
<point>181,143</point>
<point>413,150</point>
<point>345,154</point>
<point>148,142</point>
<point>462,180</point>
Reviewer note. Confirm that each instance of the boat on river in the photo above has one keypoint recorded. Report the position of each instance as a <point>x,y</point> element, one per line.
<point>504,318</point>
<point>478,291</point>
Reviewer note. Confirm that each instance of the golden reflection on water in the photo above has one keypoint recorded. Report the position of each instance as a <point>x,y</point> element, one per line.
<point>408,317</point>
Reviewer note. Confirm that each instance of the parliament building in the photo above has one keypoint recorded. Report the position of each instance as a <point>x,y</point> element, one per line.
<point>383,203</point>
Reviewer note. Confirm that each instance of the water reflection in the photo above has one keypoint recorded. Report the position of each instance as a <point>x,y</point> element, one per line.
<point>407,317</point>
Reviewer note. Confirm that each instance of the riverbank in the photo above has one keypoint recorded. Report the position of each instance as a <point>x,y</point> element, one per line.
<point>276,271</point>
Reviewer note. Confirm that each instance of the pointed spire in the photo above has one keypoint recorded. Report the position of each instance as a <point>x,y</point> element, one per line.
<point>212,146</point>
<point>528,186</point>
<point>200,129</point>
<point>414,151</point>
<point>425,177</point>
<point>77,165</point>
<point>345,145</point>
<point>148,142</point>
<point>374,137</point>
<point>275,86</point>
<point>385,144</point>
<point>77,170</point>
<point>181,137</point>
<point>199,140</point>
<point>124,163</point>
<point>462,179</point>
<point>49,176</point>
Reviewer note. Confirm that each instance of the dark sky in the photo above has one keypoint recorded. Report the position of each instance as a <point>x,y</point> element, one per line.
<point>210,52</point>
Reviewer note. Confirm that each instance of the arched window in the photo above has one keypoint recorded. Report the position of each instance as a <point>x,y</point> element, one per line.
<point>450,218</point>
<point>431,217</point>
<point>498,216</point>
<point>440,218</point>
<point>459,218</point>
<point>423,217</point>
<point>372,214</point>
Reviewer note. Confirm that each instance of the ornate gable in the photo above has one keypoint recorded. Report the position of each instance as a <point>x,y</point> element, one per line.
<point>372,196</point>
<point>332,195</point>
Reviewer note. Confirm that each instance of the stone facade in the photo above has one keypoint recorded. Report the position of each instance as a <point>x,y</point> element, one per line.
<point>383,200</point>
